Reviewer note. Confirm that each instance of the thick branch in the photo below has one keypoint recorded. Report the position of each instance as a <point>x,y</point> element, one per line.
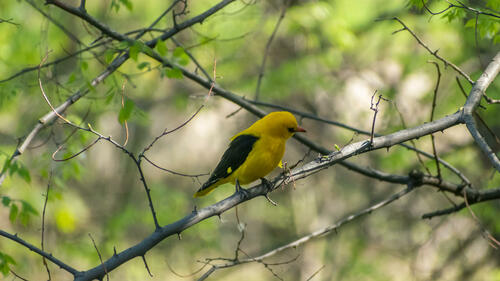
<point>472,103</point>
<point>310,168</point>
<point>81,13</point>
<point>481,196</point>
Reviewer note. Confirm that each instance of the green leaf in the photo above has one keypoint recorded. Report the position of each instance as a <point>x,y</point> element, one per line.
<point>8,259</point>
<point>161,47</point>
<point>13,212</point>
<point>84,65</point>
<point>135,49</point>
<point>71,78</point>
<point>12,167</point>
<point>470,23</point>
<point>454,14</point>
<point>127,4</point>
<point>179,51</point>
<point>24,218</point>
<point>416,3</point>
<point>124,45</point>
<point>174,73</point>
<point>115,5</point>
<point>496,39</point>
<point>24,173</point>
<point>180,56</point>
<point>5,260</point>
<point>28,208</point>
<point>109,55</point>
<point>110,96</point>
<point>126,111</point>
<point>4,268</point>
<point>143,65</point>
<point>6,200</point>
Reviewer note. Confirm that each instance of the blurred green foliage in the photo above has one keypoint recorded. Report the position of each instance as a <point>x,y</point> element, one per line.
<point>327,58</point>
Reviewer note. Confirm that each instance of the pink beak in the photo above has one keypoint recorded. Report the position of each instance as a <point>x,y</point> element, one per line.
<point>300,129</point>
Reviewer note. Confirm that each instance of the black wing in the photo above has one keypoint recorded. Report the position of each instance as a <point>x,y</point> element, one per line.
<point>232,159</point>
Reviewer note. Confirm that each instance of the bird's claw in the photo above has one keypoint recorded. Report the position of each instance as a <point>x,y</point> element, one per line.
<point>269,187</point>
<point>243,193</point>
<point>267,184</point>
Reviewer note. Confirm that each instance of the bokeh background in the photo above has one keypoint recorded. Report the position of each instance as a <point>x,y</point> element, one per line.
<point>327,58</point>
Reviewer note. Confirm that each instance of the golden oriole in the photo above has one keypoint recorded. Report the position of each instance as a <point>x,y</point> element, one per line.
<point>254,152</point>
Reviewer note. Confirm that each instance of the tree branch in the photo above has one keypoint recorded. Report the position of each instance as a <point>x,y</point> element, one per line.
<point>472,103</point>
<point>434,53</point>
<point>44,254</point>
<point>115,64</point>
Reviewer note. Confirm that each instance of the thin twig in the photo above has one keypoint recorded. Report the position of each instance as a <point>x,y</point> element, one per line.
<point>42,243</point>
<point>461,6</point>
<point>185,275</point>
<point>173,172</point>
<point>9,21</point>
<point>268,47</point>
<point>17,275</point>
<point>241,228</point>
<point>166,132</point>
<point>100,257</point>
<point>434,53</point>
<point>315,273</point>
<point>374,107</point>
<point>198,65</point>
<point>123,106</point>
<point>413,143</point>
<point>337,225</point>
<point>491,240</point>
<point>76,154</point>
<point>434,98</point>
<point>146,265</point>
<point>43,91</point>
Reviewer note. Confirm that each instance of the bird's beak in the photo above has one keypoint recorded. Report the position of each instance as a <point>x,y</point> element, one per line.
<point>300,129</point>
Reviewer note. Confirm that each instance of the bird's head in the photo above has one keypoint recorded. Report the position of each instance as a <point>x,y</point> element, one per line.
<point>279,124</point>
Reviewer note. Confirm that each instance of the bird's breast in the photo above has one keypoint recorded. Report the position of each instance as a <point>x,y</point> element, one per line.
<point>263,159</point>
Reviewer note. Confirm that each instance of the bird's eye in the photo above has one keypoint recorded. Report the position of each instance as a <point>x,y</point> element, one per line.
<point>291,130</point>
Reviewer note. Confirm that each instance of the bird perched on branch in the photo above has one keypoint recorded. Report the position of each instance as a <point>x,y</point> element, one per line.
<point>254,152</point>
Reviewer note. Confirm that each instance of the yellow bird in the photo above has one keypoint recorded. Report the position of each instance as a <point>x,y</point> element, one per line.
<point>254,152</point>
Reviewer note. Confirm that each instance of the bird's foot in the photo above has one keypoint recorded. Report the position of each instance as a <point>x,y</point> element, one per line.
<point>269,187</point>
<point>243,193</point>
<point>267,184</point>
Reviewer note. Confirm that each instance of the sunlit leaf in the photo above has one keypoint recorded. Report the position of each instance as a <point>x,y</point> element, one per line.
<point>180,56</point>
<point>174,73</point>
<point>161,47</point>
<point>126,111</point>
<point>134,50</point>
<point>109,55</point>
<point>14,210</point>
